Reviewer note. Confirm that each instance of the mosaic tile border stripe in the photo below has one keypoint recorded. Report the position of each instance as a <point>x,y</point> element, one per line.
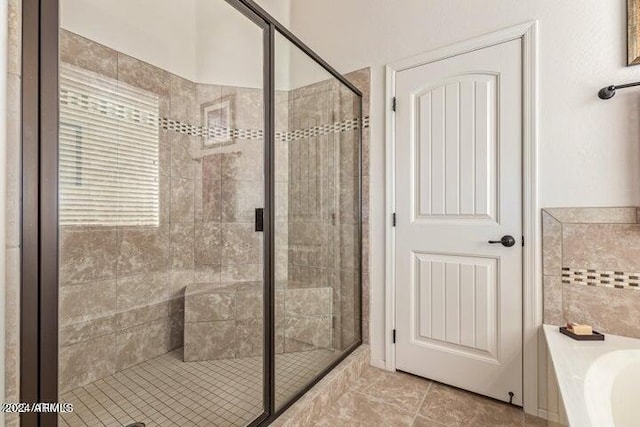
<point>96,106</point>
<point>337,127</point>
<point>223,133</point>
<point>601,278</point>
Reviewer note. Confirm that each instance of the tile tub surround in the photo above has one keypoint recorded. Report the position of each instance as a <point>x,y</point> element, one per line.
<point>226,322</point>
<point>591,264</point>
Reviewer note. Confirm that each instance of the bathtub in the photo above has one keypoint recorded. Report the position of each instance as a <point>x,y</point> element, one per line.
<point>599,381</point>
<point>612,387</point>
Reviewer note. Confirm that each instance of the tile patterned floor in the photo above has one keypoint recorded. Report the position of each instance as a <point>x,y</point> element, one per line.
<point>380,398</point>
<point>166,391</point>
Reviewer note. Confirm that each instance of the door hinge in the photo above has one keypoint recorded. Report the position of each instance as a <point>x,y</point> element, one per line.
<point>394,336</point>
<point>393,104</point>
<point>523,241</point>
<point>393,219</point>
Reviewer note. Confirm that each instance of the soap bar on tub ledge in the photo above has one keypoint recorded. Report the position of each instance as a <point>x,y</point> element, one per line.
<point>594,336</point>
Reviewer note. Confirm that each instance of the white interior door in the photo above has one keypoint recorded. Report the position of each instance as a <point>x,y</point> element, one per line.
<point>458,186</point>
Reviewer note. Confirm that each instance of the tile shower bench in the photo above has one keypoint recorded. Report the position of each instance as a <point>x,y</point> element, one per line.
<point>224,322</point>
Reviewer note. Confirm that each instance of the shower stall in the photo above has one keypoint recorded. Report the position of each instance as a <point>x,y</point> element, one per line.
<point>192,213</point>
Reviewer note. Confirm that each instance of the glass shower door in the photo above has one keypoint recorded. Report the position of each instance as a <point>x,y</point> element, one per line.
<point>317,229</point>
<point>161,173</point>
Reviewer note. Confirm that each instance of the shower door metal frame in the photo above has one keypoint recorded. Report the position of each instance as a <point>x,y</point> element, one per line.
<point>39,207</point>
<point>269,272</point>
<point>39,213</point>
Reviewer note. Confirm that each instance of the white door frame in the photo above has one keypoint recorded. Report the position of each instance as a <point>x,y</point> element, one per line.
<point>532,285</point>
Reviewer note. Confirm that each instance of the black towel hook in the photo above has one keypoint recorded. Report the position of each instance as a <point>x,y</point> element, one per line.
<point>609,91</point>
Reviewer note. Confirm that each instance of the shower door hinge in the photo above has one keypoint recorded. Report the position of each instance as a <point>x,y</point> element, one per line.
<point>393,219</point>
<point>393,104</point>
<point>393,338</point>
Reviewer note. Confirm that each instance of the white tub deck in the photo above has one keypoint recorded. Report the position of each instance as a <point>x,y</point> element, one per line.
<point>571,361</point>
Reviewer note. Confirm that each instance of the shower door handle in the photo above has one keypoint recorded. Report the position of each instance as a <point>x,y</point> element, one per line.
<point>259,219</point>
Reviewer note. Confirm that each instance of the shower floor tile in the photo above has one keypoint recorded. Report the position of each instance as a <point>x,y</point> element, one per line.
<point>165,391</point>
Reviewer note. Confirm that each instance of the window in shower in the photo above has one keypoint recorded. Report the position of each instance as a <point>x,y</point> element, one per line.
<point>109,142</point>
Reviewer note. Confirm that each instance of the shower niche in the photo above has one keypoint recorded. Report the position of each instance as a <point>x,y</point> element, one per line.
<point>209,214</point>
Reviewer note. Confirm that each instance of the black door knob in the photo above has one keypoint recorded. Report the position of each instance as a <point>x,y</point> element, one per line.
<point>507,241</point>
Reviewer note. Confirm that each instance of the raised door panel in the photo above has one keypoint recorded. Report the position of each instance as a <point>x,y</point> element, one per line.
<point>455,306</point>
<point>455,149</point>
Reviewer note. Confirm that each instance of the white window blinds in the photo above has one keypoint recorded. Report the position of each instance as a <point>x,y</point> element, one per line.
<point>109,140</point>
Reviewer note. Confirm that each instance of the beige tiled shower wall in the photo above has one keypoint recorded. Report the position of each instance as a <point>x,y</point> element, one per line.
<point>313,206</point>
<point>323,233</point>
<point>122,288</point>
<point>591,263</point>
<point>362,80</point>
<point>12,279</point>
<point>233,315</point>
